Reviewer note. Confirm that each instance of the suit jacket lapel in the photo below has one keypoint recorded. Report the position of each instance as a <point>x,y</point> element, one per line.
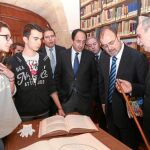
<point>106,62</point>
<point>69,61</point>
<point>57,51</point>
<point>123,63</point>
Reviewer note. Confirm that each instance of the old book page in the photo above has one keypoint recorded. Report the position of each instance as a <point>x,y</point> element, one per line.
<point>53,125</point>
<point>79,122</point>
<point>69,143</point>
<point>58,125</point>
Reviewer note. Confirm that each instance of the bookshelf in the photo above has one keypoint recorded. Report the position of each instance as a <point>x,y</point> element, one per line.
<point>122,14</point>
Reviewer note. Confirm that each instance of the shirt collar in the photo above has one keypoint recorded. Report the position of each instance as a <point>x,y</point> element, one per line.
<point>121,51</point>
<point>74,52</point>
<point>47,48</point>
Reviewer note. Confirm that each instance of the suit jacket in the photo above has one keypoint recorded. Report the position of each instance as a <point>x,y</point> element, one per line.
<point>85,83</point>
<point>133,68</point>
<point>59,50</point>
<point>146,108</point>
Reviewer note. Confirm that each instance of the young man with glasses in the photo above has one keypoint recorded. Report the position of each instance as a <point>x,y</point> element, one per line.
<point>119,61</point>
<point>9,118</point>
<point>33,78</point>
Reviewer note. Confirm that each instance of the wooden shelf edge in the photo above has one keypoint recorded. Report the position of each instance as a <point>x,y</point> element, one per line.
<point>85,3</point>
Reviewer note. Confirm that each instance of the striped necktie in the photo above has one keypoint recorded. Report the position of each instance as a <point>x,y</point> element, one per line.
<point>112,79</point>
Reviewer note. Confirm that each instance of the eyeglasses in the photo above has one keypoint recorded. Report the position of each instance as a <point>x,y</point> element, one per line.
<point>111,43</point>
<point>8,37</point>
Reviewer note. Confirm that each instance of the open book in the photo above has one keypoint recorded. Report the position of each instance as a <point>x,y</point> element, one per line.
<point>58,125</point>
<point>79,142</point>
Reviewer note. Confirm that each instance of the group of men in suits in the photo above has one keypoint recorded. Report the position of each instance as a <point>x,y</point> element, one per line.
<point>77,90</point>
<point>78,76</point>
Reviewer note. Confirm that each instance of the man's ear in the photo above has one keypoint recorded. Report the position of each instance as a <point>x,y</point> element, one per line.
<point>25,39</point>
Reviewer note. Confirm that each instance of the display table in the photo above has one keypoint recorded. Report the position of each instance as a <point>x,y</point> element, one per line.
<point>15,142</point>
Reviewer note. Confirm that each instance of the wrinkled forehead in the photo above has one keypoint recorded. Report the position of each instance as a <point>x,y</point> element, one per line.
<point>4,31</point>
<point>107,37</point>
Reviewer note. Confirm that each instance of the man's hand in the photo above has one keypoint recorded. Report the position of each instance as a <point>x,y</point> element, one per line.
<point>103,107</point>
<point>61,112</point>
<point>8,73</point>
<point>126,85</point>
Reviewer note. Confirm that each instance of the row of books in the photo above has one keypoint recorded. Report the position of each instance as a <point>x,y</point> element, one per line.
<point>128,8</point>
<point>105,3</point>
<point>127,27</point>
<point>93,7</point>
<point>109,3</point>
<point>107,17</point>
<point>124,28</point>
<point>123,10</point>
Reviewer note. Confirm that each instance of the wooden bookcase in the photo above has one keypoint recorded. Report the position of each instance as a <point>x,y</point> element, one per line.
<point>121,14</point>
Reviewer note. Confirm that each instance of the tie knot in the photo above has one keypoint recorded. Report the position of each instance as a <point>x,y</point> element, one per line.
<point>96,57</point>
<point>51,49</point>
<point>114,58</point>
<point>77,53</point>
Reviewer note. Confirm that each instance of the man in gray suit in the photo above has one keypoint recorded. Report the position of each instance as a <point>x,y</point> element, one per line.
<point>76,76</point>
<point>53,51</point>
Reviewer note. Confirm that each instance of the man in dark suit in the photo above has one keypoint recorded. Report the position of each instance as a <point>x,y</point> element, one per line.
<point>143,34</point>
<point>92,44</point>
<point>50,48</point>
<point>119,61</point>
<point>53,51</point>
<point>76,76</point>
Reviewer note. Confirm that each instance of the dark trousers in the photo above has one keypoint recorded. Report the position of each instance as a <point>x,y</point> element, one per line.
<point>77,103</point>
<point>128,135</point>
<point>1,144</point>
<point>41,116</point>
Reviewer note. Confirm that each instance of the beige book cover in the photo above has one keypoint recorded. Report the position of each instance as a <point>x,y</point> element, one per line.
<point>71,124</point>
<point>79,142</point>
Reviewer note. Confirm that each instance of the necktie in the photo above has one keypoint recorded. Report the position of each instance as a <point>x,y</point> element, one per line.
<point>76,64</point>
<point>96,58</point>
<point>52,60</point>
<point>112,78</point>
